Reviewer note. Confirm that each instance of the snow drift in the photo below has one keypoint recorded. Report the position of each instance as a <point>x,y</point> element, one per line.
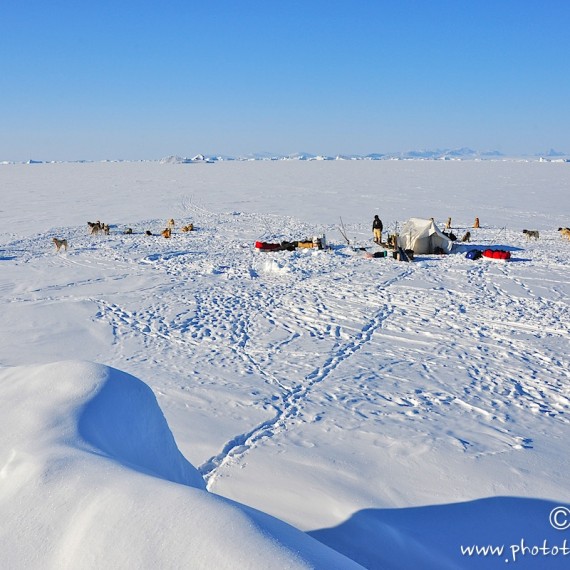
<point>92,478</point>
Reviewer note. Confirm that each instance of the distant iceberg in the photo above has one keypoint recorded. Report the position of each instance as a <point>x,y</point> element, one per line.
<point>182,160</point>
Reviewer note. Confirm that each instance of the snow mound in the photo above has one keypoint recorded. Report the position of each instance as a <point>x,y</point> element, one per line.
<point>92,478</point>
<point>447,536</point>
<point>272,266</point>
<point>123,420</point>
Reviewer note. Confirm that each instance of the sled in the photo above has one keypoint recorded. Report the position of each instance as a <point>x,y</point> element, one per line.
<point>316,243</point>
<point>265,246</point>
<point>283,246</point>
<point>499,254</point>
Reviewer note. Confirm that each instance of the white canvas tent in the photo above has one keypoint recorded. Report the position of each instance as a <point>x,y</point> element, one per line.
<point>423,236</point>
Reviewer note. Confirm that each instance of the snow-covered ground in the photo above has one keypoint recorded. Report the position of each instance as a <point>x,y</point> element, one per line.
<point>396,413</point>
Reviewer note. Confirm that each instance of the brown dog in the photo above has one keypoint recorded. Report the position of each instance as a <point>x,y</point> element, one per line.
<point>466,237</point>
<point>476,223</point>
<point>59,243</point>
<point>564,232</point>
<point>448,224</point>
<point>188,228</point>
<point>166,233</point>
<point>170,224</point>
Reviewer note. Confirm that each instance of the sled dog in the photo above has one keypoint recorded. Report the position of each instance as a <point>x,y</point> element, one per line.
<point>531,234</point>
<point>59,243</point>
<point>95,227</point>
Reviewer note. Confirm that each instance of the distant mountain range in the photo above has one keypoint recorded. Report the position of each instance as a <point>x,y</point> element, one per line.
<point>438,154</point>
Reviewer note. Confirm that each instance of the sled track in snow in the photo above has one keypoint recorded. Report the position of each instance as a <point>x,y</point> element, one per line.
<point>288,404</point>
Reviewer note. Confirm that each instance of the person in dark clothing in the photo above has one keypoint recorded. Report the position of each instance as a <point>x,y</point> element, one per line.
<point>377,229</point>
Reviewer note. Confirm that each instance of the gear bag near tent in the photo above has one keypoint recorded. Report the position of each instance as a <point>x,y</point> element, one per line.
<point>423,236</point>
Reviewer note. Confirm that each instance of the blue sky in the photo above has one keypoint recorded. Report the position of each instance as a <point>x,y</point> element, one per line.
<point>145,79</point>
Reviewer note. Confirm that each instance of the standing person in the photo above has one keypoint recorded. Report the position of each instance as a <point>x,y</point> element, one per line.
<point>377,228</point>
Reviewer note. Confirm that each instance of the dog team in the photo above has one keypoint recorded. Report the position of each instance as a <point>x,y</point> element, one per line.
<point>534,234</point>
<point>466,236</point>
<point>97,227</point>
<point>530,234</point>
<point>167,232</point>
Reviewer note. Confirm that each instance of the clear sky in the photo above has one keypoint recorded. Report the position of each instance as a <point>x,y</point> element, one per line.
<point>126,79</point>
